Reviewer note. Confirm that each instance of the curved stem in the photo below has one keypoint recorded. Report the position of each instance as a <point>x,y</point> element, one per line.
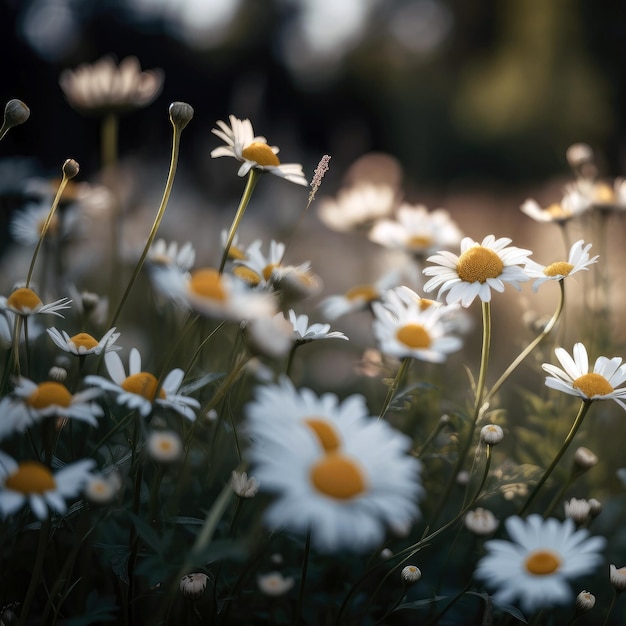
<point>584,407</point>
<point>610,609</point>
<point>253,177</point>
<point>404,366</point>
<point>532,345</point>
<point>155,225</point>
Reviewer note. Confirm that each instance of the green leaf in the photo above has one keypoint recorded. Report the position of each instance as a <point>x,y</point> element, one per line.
<point>97,611</point>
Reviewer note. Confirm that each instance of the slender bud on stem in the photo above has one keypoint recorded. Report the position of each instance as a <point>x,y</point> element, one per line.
<point>15,113</point>
<point>181,114</point>
<point>70,168</point>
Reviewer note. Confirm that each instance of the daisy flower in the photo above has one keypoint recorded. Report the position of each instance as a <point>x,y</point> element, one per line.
<point>417,231</point>
<point>575,378</point>
<point>337,472</point>
<point>480,268</point>
<point>578,260</point>
<point>358,205</point>
<point>83,343</point>
<point>162,253</point>
<point>303,332</point>
<point>405,329</point>
<point>257,268</point>
<point>253,151</point>
<point>295,282</point>
<point>600,194</point>
<point>25,302</point>
<point>30,402</point>
<point>138,390</point>
<point>26,225</point>
<point>32,483</point>
<point>572,204</point>
<point>536,565</point>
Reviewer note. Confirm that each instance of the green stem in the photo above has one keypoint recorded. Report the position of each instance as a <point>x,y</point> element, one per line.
<point>305,563</point>
<point>610,609</point>
<point>157,221</point>
<point>584,407</point>
<point>253,177</point>
<point>404,366</point>
<point>532,345</point>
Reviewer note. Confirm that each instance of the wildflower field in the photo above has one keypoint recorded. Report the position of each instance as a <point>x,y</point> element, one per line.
<point>232,441</point>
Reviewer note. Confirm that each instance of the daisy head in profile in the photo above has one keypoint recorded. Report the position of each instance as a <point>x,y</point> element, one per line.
<point>573,204</point>
<point>82,344</point>
<point>25,302</point>
<point>575,378</point>
<point>536,565</point>
<point>479,268</point>
<point>253,151</point>
<point>32,483</point>
<point>141,390</point>
<point>578,260</point>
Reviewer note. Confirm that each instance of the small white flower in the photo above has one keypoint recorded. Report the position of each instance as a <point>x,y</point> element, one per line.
<point>575,378</point>
<point>243,485</point>
<point>303,332</point>
<point>24,301</point>
<point>26,225</point>
<point>269,336</point>
<point>32,483</point>
<point>572,204</point>
<point>481,521</point>
<point>193,585</point>
<point>138,390</point>
<point>83,343</point>
<point>275,584</point>
<point>480,268</point>
<point>578,260</point>
<point>578,509</point>
<point>410,574</point>
<point>257,268</point>
<point>162,253</point>
<point>617,576</point>
<point>536,565</point>
<point>585,601</point>
<point>102,488</point>
<point>164,446</point>
<point>253,151</point>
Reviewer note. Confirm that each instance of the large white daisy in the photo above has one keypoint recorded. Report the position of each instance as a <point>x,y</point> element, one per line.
<point>25,302</point>
<point>82,344</point>
<point>32,483</point>
<point>30,402</point>
<point>578,260</point>
<point>138,390</point>
<point>575,378</point>
<point>480,268</point>
<point>345,490</point>
<point>404,329</point>
<point>536,565</point>
<point>253,151</point>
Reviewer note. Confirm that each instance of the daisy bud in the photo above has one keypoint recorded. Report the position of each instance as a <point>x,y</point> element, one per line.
<point>101,489</point>
<point>244,486</point>
<point>70,168</point>
<point>57,373</point>
<point>277,558</point>
<point>578,510</point>
<point>164,446</point>
<point>462,478</point>
<point>180,114</point>
<point>579,154</point>
<point>481,521</point>
<point>491,434</point>
<point>274,584</point>
<point>386,554</point>
<point>584,459</point>
<point>193,585</point>
<point>595,507</point>
<point>410,574</point>
<point>585,601</point>
<point>15,113</point>
<point>8,616</point>
<point>618,577</point>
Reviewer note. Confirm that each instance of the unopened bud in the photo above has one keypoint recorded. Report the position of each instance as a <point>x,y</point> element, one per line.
<point>491,434</point>
<point>585,459</point>
<point>410,574</point>
<point>15,113</point>
<point>70,168</point>
<point>181,114</point>
<point>585,601</point>
<point>617,577</point>
<point>595,507</point>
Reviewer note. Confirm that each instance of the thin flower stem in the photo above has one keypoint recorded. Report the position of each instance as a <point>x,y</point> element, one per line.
<point>611,606</point>
<point>584,407</point>
<point>305,563</point>
<point>157,221</point>
<point>404,366</point>
<point>531,346</point>
<point>253,177</point>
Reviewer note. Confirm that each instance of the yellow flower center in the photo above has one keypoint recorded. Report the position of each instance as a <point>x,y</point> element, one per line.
<point>593,385</point>
<point>425,303</point>
<point>603,193</point>
<point>260,153</point>
<point>143,384</point>
<point>30,477</point>
<point>24,299</point>
<point>236,253</point>
<point>413,335</point>
<point>557,212</point>
<point>245,273</point>
<point>325,431</point>
<point>478,264</point>
<point>338,476</point>
<point>419,241</point>
<point>362,292</point>
<point>84,340</point>
<point>49,394</point>
<point>268,269</point>
<point>207,283</point>
<point>542,563</point>
<point>560,268</point>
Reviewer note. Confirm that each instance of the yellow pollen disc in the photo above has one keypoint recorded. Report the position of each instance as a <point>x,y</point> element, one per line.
<point>24,299</point>
<point>362,292</point>
<point>338,476</point>
<point>260,153</point>
<point>604,193</point>
<point>268,269</point>
<point>236,253</point>
<point>165,445</point>
<point>208,284</point>
<point>31,477</point>
<point>542,563</point>
<point>419,241</point>
<point>560,268</point>
<point>84,340</point>
<point>143,384</point>
<point>593,385</point>
<point>245,273</point>
<point>49,394</point>
<point>413,335</point>
<point>557,211</point>
<point>478,264</point>
<point>325,432</point>
<point>425,303</point>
